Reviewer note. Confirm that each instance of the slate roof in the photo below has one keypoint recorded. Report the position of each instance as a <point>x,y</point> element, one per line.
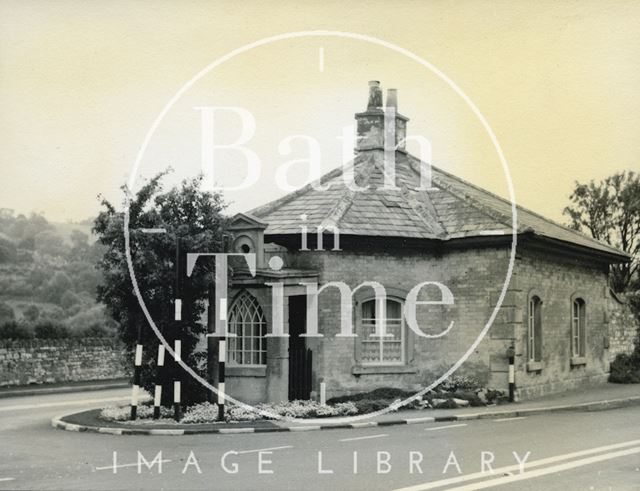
<point>451,209</point>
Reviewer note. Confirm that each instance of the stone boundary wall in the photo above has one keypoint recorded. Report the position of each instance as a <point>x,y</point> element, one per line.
<point>40,361</point>
<point>623,326</point>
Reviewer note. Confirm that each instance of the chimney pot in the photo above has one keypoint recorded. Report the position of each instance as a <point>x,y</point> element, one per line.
<point>392,98</point>
<point>375,95</point>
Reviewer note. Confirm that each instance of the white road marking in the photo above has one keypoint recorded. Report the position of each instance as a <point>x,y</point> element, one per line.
<point>80,402</point>
<point>363,438</point>
<point>265,449</point>
<point>111,467</point>
<point>547,470</point>
<point>3,479</point>
<point>445,427</point>
<point>516,467</point>
<point>500,420</point>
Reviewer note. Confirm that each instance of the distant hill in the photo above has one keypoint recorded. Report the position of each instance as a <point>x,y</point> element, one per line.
<point>64,229</point>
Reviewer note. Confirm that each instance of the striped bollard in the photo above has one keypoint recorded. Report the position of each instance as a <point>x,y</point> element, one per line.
<point>136,382</point>
<point>511,355</point>
<point>222,354</point>
<point>157,396</point>
<point>177,409</point>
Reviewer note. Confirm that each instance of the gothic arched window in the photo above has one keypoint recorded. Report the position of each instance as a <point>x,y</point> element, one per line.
<point>248,323</point>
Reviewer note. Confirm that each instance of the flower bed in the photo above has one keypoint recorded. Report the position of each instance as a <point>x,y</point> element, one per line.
<point>454,393</point>
<point>208,413</point>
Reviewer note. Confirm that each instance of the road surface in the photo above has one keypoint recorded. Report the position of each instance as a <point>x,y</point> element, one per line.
<point>562,451</point>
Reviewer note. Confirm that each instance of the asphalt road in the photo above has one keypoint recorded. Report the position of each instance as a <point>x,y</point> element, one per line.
<point>562,451</point>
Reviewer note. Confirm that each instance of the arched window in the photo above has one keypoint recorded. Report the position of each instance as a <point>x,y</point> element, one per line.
<point>376,350</point>
<point>534,329</point>
<point>578,311</point>
<point>248,323</point>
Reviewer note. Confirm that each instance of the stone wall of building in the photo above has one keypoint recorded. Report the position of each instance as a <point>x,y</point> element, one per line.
<point>60,360</point>
<point>557,280</point>
<point>474,277</point>
<point>623,326</point>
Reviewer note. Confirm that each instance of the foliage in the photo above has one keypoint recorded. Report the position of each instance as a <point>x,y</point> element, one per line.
<point>185,211</point>
<point>625,369</point>
<point>383,393</point>
<point>609,210</point>
<point>8,249</point>
<point>15,330</point>
<point>460,383</point>
<point>6,312</point>
<point>31,313</point>
<point>204,412</point>
<point>47,329</point>
<point>123,413</point>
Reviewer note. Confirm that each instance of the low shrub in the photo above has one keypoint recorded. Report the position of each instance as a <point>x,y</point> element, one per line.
<point>48,329</point>
<point>385,393</point>
<point>123,413</point>
<point>204,412</point>
<point>472,397</point>
<point>460,383</point>
<point>95,330</point>
<point>365,406</point>
<point>15,330</point>
<point>625,369</point>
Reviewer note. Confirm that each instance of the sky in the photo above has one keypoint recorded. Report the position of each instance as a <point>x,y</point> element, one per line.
<point>81,83</point>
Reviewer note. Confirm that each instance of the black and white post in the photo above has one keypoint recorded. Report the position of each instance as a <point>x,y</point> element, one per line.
<point>157,394</point>
<point>222,348</point>
<point>511,355</point>
<point>177,348</point>
<point>136,379</point>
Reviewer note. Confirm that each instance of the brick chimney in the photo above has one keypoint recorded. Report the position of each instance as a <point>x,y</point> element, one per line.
<point>371,123</point>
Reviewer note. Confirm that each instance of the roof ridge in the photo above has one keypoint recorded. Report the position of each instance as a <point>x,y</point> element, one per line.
<point>346,200</point>
<point>282,200</point>
<point>416,206</point>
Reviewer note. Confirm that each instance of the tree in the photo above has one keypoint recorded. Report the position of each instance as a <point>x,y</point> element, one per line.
<point>6,313</point>
<point>54,289</point>
<point>31,313</point>
<point>609,210</point>
<point>185,211</point>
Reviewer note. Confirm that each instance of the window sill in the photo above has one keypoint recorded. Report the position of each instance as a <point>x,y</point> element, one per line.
<point>535,366</point>
<point>382,369</point>
<point>248,371</point>
<point>578,361</point>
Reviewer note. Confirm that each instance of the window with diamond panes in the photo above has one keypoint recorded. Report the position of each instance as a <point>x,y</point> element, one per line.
<point>247,321</point>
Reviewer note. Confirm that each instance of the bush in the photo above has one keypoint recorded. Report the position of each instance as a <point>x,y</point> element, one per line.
<point>625,369</point>
<point>472,397</point>
<point>95,330</point>
<point>15,330</point>
<point>31,313</point>
<point>364,406</point>
<point>201,413</point>
<point>387,393</point>
<point>457,383</point>
<point>51,330</point>
<point>123,413</point>
<point>6,312</point>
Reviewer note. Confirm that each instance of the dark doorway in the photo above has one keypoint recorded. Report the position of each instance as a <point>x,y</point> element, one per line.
<point>300,357</point>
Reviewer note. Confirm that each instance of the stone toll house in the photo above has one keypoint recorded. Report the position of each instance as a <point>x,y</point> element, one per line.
<point>558,312</point>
